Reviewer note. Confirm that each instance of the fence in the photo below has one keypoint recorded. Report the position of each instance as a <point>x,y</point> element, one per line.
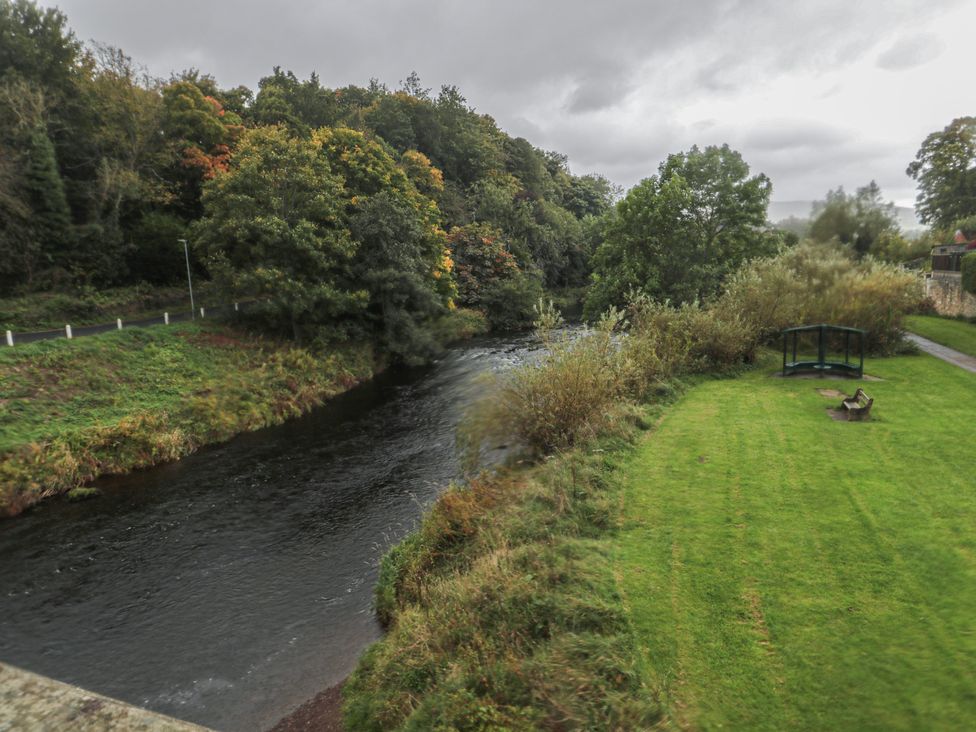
<point>88,330</point>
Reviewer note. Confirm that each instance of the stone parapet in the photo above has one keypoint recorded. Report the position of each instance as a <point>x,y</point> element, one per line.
<point>39,704</point>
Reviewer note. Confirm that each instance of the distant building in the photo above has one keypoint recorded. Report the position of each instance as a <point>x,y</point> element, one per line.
<point>948,257</point>
<point>943,284</point>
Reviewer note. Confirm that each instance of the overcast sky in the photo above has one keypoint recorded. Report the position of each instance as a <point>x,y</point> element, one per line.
<point>815,94</point>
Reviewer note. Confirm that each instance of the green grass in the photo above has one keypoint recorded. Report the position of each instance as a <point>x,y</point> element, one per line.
<point>73,410</point>
<point>54,388</point>
<point>783,570</point>
<point>957,334</point>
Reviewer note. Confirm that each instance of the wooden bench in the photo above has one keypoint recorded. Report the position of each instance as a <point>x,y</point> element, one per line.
<point>858,407</point>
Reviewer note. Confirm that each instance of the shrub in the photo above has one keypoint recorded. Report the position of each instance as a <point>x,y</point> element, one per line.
<point>508,303</point>
<point>560,399</point>
<point>459,324</point>
<point>969,273</point>
<point>667,341</point>
<point>816,283</point>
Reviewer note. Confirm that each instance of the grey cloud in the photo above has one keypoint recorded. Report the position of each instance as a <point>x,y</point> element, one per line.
<point>591,96</point>
<point>910,51</point>
<point>791,135</point>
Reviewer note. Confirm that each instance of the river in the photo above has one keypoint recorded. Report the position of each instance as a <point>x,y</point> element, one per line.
<point>229,587</point>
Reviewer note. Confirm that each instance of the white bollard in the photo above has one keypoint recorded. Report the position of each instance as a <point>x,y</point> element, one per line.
<point>118,322</point>
<point>10,338</point>
<point>67,331</point>
<point>166,318</point>
<point>236,309</point>
<point>201,312</point>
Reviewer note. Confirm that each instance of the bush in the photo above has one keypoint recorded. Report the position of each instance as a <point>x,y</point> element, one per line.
<point>969,273</point>
<point>816,283</point>
<point>560,399</point>
<point>509,303</point>
<point>459,324</point>
<point>667,341</point>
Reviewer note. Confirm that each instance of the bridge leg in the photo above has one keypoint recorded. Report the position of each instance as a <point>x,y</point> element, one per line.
<point>821,348</point>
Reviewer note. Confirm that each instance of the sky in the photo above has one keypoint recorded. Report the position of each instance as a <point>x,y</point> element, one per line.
<point>815,94</point>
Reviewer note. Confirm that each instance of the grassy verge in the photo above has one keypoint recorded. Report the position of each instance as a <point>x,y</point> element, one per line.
<point>503,611</point>
<point>73,410</point>
<point>958,334</point>
<point>782,570</point>
<point>51,310</point>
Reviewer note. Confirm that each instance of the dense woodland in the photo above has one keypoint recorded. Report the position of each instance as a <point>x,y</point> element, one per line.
<point>365,211</point>
<point>366,199</point>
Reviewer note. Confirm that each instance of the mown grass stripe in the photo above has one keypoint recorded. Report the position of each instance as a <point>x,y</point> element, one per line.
<point>819,573</point>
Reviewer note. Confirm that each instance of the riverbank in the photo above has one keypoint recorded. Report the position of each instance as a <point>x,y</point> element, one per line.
<point>76,410</point>
<point>322,713</point>
<point>502,610</point>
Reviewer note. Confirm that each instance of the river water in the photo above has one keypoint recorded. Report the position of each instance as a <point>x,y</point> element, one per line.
<point>229,587</point>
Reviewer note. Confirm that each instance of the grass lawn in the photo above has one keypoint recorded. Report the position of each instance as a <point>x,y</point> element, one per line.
<point>783,570</point>
<point>956,334</point>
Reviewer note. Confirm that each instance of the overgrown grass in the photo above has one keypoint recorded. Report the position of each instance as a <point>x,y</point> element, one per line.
<point>957,334</point>
<point>783,570</point>
<point>503,611</point>
<point>73,410</point>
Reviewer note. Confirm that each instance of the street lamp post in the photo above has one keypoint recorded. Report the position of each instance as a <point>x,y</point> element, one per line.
<point>189,279</point>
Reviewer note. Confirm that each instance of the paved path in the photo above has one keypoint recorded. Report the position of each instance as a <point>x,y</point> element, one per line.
<point>945,353</point>
<point>34,703</point>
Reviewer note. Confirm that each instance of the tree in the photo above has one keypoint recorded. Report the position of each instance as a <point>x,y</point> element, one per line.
<point>590,195</point>
<point>273,227</point>
<point>427,179</point>
<point>399,261</point>
<point>859,221</point>
<point>368,167</point>
<point>302,105</point>
<point>677,235</point>
<point>481,258</point>
<point>945,168</point>
<point>50,216</point>
<point>402,256</point>
<point>200,134</point>
<point>125,103</point>
<point>22,110</point>
<point>38,46</point>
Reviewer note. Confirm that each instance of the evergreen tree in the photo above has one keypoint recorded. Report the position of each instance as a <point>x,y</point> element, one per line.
<point>50,216</point>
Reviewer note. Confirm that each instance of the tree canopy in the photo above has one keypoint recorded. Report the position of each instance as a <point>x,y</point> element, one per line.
<point>677,234</point>
<point>945,169</point>
<point>273,228</point>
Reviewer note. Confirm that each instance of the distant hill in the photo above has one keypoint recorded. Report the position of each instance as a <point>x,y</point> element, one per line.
<point>779,210</point>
